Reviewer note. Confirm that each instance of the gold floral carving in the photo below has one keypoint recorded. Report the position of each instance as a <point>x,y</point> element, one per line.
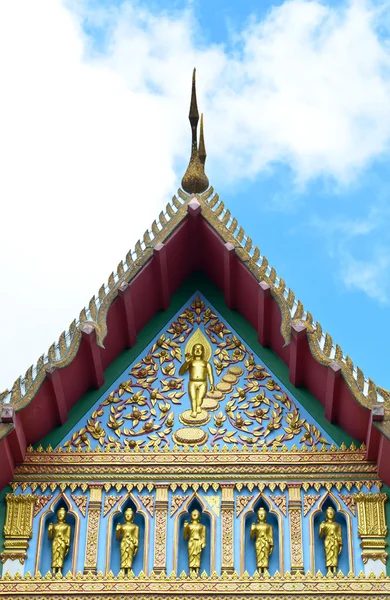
<point>109,503</point>
<point>349,501</point>
<point>18,526</point>
<point>309,501</point>
<point>138,413</point>
<point>160,531</point>
<point>241,503</point>
<point>94,514</point>
<point>80,502</point>
<point>372,527</point>
<point>176,502</point>
<point>41,502</point>
<point>148,502</point>
<point>295,518</point>
<point>281,503</point>
<point>227,507</point>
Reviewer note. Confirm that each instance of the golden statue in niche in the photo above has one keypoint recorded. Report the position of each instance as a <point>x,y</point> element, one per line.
<point>130,539</point>
<point>264,544</point>
<point>333,542</point>
<point>59,534</point>
<point>197,362</point>
<point>195,532</point>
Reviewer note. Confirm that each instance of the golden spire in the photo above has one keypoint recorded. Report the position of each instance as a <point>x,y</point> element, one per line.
<point>195,180</point>
<point>202,148</point>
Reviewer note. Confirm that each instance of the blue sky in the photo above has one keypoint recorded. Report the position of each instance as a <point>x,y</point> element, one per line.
<point>296,97</point>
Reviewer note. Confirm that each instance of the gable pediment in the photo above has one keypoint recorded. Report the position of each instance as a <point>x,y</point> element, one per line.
<point>149,404</point>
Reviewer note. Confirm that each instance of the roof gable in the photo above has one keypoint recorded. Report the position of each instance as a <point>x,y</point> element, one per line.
<point>194,233</point>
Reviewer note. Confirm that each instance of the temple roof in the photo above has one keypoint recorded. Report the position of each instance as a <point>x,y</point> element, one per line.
<point>195,232</point>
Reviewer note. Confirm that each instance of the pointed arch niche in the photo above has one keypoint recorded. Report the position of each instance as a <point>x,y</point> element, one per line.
<point>141,519</point>
<point>43,557</point>
<point>317,553</point>
<point>275,519</point>
<point>180,545</point>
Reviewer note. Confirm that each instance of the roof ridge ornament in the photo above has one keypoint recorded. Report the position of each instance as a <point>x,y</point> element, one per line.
<point>195,180</point>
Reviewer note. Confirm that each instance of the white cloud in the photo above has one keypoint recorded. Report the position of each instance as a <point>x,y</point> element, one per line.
<point>90,141</point>
<point>348,240</point>
<point>368,276</point>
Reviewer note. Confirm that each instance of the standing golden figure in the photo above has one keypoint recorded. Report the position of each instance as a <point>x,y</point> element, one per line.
<point>195,533</point>
<point>333,542</point>
<point>130,540</point>
<point>198,364</point>
<point>264,544</point>
<point>59,534</point>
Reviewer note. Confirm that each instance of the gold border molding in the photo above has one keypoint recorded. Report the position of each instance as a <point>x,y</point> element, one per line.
<point>223,588</point>
<point>177,465</point>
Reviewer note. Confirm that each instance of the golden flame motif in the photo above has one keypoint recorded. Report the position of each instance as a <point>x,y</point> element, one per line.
<point>195,180</point>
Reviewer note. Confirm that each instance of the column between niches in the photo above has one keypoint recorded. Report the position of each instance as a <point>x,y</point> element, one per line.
<point>17,532</point>
<point>295,519</point>
<point>94,514</point>
<point>227,508</point>
<point>160,532</point>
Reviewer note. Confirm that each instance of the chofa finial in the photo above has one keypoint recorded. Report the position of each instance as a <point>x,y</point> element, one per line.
<point>195,180</point>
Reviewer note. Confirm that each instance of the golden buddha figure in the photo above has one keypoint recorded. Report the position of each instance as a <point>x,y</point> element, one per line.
<point>129,542</point>
<point>195,533</point>
<point>59,534</point>
<point>200,370</point>
<point>333,542</point>
<point>264,543</point>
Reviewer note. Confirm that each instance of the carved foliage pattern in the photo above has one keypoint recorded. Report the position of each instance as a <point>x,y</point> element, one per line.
<point>109,503</point>
<point>296,537</point>
<point>241,503</point>
<point>176,502</point>
<point>227,534</point>
<point>281,503</point>
<point>160,538</point>
<point>41,503</point>
<point>309,501</point>
<point>148,502</point>
<point>349,501</point>
<point>141,411</point>
<point>92,538</point>
<point>80,502</point>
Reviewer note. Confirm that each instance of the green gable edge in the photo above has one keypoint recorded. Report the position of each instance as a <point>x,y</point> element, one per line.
<point>196,282</point>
